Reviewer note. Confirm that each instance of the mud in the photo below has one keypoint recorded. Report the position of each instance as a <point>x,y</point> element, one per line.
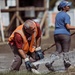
<point>6,55</point>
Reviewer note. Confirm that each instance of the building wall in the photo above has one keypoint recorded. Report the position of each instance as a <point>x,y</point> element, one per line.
<point>5,15</point>
<point>2,4</point>
<point>11,3</point>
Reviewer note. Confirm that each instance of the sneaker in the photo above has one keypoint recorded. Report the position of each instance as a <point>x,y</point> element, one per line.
<point>35,71</point>
<point>35,67</point>
<point>67,64</point>
<point>49,66</point>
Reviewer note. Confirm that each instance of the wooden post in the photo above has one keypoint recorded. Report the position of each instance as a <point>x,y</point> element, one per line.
<point>43,19</point>
<point>19,18</point>
<point>46,6</point>
<point>17,12</point>
<point>1,25</point>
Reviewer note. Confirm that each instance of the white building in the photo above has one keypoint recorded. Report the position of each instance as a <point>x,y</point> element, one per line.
<point>5,16</point>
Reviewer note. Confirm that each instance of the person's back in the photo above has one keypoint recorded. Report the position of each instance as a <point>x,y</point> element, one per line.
<point>60,23</point>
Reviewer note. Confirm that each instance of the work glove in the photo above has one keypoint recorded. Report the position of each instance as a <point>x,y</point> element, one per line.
<point>29,65</point>
<point>38,53</point>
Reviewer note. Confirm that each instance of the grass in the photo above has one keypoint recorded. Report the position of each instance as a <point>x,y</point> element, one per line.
<point>16,73</point>
<point>29,73</point>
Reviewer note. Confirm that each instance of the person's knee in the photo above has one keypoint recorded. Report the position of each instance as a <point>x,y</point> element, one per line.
<point>16,63</point>
<point>19,59</point>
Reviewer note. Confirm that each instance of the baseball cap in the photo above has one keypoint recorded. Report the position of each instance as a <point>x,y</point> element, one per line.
<point>64,3</point>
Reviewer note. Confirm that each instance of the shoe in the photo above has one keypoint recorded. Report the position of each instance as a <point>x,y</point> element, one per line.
<point>49,67</point>
<point>35,71</point>
<point>67,64</point>
<point>35,67</point>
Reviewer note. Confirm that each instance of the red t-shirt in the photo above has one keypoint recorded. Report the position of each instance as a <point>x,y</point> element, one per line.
<point>18,41</point>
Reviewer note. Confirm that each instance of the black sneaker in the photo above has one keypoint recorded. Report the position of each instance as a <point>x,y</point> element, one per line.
<point>67,64</point>
<point>49,66</point>
<point>35,67</point>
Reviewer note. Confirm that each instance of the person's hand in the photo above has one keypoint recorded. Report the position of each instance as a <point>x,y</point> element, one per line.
<point>38,53</point>
<point>29,65</point>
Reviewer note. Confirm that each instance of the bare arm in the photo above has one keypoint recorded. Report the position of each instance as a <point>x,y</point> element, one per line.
<point>21,52</point>
<point>38,38</point>
<point>68,26</point>
<point>38,42</point>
